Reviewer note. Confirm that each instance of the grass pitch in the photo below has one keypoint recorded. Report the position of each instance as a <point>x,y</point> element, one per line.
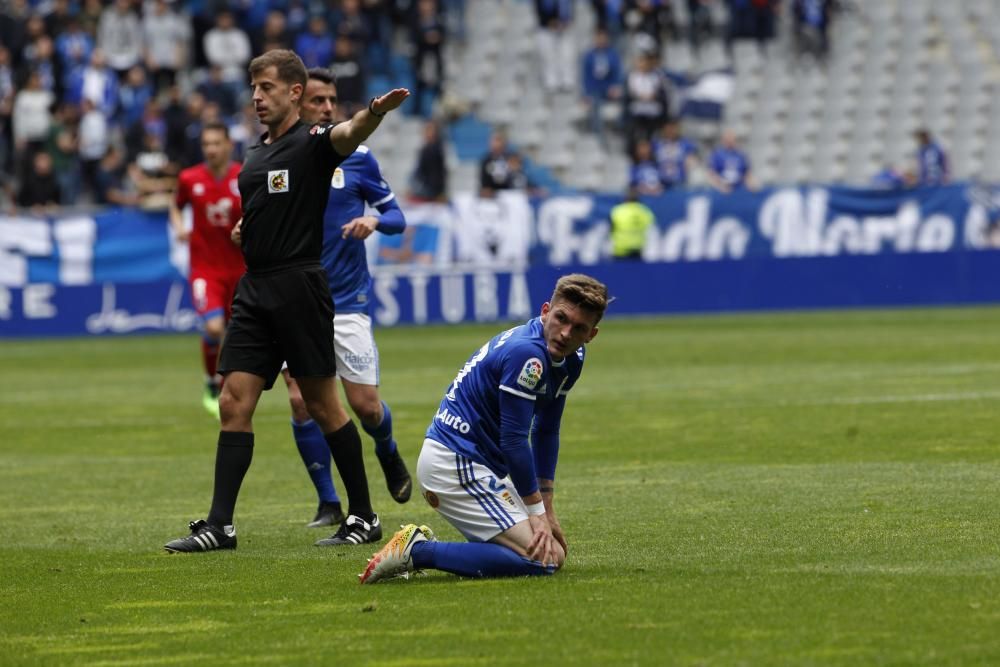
<point>760,489</point>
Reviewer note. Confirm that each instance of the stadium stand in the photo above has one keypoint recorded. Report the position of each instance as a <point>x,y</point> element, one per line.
<point>893,66</point>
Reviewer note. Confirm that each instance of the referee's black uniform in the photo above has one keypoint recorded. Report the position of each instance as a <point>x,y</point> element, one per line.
<point>282,310</point>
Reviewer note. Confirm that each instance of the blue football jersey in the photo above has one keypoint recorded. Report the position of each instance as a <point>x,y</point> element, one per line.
<point>357,181</point>
<point>933,165</point>
<point>671,156</point>
<point>731,165</point>
<point>515,361</point>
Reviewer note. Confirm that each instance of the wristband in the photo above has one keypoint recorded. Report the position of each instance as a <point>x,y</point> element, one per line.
<point>371,109</point>
<point>537,509</point>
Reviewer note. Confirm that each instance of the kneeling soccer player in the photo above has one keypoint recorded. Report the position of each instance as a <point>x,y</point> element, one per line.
<point>477,468</point>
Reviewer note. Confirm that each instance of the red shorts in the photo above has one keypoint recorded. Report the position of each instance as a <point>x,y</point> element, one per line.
<point>212,294</point>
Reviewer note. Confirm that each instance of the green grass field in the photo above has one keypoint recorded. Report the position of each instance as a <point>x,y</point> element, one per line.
<point>818,488</point>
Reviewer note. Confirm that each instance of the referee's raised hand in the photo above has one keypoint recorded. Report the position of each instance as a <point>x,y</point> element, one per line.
<point>346,137</point>
<point>383,104</point>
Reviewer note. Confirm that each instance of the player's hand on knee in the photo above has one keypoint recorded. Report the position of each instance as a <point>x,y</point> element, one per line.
<point>558,555</point>
<point>541,546</point>
<point>557,531</point>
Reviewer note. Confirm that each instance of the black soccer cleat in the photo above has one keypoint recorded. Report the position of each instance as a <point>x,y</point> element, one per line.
<point>328,514</point>
<point>397,477</point>
<point>354,531</point>
<point>203,537</point>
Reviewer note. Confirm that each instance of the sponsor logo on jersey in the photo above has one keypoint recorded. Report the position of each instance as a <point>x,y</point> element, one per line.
<point>219,213</point>
<point>337,182</point>
<point>453,421</point>
<point>531,373</point>
<point>359,362</point>
<point>277,181</point>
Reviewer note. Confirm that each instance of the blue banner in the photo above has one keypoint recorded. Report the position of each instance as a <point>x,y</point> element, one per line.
<point>119,271</point>
<point>418,296</point>
<point>807,221</point>
<point>44,309</point>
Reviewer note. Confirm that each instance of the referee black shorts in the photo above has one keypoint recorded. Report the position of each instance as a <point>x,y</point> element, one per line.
<point>286,315</point>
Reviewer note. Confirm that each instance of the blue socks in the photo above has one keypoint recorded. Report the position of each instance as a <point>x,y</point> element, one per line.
<point>382,434</point>
<point>315,455</point>
<point>475,559</point>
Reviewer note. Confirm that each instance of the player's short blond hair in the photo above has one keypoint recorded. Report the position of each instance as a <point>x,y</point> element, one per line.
<point>583,292</point>
<point>289,66</point>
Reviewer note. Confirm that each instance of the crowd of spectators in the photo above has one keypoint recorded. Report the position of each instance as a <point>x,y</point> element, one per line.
<point>102,101</point>
<point>623,81</point>
<point>625,85</point>
<point>114,93</point>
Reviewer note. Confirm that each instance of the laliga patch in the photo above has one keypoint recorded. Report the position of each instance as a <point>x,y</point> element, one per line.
<point>337,182</point>
<point>319,129</point>
<point>531,373</point>
<point>277,181</point>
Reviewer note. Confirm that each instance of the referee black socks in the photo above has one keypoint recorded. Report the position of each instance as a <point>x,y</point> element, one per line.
<point>345,446</point>
<point>232,460</point>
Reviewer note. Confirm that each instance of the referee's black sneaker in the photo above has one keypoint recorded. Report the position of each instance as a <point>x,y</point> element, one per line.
<point>203,537</point>
<point>397,477</point>
<point>354,531</point>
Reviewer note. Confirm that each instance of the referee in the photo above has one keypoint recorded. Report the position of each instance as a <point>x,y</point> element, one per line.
<point>282,310</point>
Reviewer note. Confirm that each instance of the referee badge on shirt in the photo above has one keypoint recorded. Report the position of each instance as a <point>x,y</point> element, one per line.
<point>277,181</point>
<point>338,179</point>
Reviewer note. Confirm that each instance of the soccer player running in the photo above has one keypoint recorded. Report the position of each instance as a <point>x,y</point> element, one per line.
<point>216,265</point>
<point>357,181</point>
<point>476,466</point>
<point>282,309</point>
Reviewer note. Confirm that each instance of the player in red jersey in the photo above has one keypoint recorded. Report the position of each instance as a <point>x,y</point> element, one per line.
<point>211,190</point>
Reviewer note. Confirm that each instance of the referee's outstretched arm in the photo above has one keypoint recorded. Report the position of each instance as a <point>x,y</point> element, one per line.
<point>346,137</point>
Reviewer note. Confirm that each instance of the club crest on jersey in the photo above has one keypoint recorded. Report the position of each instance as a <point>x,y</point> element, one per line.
<point>198,189</point>
<point>234,187</point>
<point>531,373</point>
<point>277,181</point>
<point>338,180</point>
<point>432,499</point>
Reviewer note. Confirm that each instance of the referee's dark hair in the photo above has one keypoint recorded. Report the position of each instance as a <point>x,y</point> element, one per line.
<point>323,74</point>
<point>217,126</point>
<point>290,67</point>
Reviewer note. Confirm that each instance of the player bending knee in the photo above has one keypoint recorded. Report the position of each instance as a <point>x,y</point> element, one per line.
<point>476,466</point>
